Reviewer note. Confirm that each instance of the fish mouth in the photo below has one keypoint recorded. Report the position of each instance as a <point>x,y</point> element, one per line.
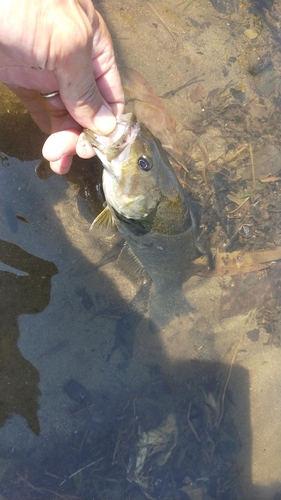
<point>113,144</point>
<point>109,147</point>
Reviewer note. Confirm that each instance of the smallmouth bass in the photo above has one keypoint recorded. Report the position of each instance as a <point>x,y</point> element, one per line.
<point>147,204</point>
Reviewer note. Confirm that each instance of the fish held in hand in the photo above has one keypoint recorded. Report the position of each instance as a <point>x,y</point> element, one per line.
<point>147,204</point>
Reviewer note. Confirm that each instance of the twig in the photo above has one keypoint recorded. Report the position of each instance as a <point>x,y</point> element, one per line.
<point>50,475</point>
<point>183,1</point>
<point>252,164</point>
<point>234,155</point>
<point>227,380</point>
<point>82,442</point>
<point>80,470</point>
<point>183,182</point>
<point>191,426</point>
<point>83,409</point>
<point>272,178</point>
<point>172,92</point>
<point>239,206</point>
<point>162,20</point>
<point>41,489</point>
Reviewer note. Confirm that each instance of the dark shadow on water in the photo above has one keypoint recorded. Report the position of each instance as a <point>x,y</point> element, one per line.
<point>28,294</point>
<point>158,433</point>
<point>162,441</point>
<point>164,435</point>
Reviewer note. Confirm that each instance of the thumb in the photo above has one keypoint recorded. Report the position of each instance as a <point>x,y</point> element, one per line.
<point>88,78</point>
<point>84,102</point>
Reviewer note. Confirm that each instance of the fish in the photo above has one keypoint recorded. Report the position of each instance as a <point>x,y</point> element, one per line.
<point>147,204</point>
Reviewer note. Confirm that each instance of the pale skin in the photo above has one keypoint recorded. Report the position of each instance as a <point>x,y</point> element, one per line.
<point>61,45</point>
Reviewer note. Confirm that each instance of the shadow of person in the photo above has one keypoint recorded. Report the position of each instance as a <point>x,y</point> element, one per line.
<point>133,385</point>
<point>28,294</point>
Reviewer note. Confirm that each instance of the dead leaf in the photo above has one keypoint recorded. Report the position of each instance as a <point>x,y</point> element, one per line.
<point>248,292</point>
<point>198,93</point>
<point>266,162</point>
<point>193,494</point>
<point>251,34</point>
<point>271,179</point>
<point>231,264</point>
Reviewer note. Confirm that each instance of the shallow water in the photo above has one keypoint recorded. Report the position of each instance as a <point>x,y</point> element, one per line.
<point>93,404</point>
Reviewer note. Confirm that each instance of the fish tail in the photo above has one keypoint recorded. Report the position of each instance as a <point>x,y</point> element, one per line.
<point>164,307</point>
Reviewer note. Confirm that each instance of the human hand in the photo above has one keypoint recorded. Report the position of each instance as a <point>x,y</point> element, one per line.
<point>64,45</point>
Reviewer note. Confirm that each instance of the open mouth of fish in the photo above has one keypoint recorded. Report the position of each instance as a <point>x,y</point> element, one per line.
<point>108,147</point>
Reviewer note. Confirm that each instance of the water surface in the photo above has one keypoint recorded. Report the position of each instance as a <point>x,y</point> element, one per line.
<point>93,405</point>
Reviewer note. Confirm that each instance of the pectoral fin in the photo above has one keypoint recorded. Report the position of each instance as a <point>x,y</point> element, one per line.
<point>104,219</point>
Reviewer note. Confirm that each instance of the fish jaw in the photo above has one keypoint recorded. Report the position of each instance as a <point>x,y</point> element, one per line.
<point>109,147</point>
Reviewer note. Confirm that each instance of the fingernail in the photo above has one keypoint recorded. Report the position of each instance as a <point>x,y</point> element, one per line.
<point>104,120</point>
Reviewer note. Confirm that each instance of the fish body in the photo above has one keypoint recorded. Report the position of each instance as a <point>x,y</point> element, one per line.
<point>147,204</point>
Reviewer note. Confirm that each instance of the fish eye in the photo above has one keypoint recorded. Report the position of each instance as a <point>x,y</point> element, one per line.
<point>145,163</point>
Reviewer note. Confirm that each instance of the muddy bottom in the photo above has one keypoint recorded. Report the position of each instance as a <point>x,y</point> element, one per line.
<point>94,403</point>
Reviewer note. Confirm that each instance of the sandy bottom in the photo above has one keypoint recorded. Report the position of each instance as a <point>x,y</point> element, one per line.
<point>82,334</point>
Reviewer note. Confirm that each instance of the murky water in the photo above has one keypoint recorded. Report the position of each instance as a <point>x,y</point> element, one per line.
<point>92,403</point>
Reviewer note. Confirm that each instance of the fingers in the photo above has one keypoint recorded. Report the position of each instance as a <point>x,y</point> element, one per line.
<point>61,166</point>
<point>59,149</point>
<point>61,146</point>
<point>89,81</point>
<point>35,104</point>
<point>79,62</point>
<point>76,57</point>
<point>51,116</point>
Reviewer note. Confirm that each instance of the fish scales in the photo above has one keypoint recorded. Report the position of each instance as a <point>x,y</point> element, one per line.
<point>147,204</point>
